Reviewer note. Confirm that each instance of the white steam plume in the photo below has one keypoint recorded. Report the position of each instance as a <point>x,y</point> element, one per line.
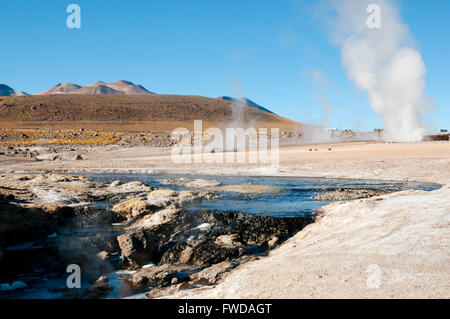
<point>381,63</point>
<point>237,110</point>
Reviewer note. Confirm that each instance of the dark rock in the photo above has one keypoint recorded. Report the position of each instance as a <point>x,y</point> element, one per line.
<point>83,216</point>
<point>201,255</point>
<point>208,254</point>
<point>231,240</point>
<point>77,157</point>
<point>75,251</point>
<point>137,247</point>
<point>159,276</point>
<point>228,235</point>
<point>17,261</point>
<point>107,244</point>
<point>98,290</point>
<point>255,230</point>
<point>19,224</point>
<point>348,194</point>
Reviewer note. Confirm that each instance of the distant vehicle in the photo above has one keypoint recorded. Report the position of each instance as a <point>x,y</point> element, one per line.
<point>444,131</point>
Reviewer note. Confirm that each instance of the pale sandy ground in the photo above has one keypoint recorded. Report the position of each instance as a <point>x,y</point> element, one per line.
<point>391,246</point>
<point>428,162</point>
<point>394,246</point>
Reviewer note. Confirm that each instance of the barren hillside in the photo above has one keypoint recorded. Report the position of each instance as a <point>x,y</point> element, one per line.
<point>160,109</point>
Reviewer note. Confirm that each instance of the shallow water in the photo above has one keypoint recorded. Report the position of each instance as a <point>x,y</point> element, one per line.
<point>294,200</point>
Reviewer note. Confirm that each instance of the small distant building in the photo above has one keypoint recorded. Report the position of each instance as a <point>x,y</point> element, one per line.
<point>443,136</point>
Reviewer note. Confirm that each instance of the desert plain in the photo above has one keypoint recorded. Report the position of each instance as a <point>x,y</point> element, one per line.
<point>401,240</point>
<point>383,245</point>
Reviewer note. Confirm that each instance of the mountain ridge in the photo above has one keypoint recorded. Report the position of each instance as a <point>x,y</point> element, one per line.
<point>6,90</point>
<point>121,87</point>
<point>98,88</point>
<point>245,101</point>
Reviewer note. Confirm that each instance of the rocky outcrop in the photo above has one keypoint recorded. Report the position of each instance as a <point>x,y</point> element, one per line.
<point>157,200</point>
<point>163,216</point>
<point>169,196</point>
<point>130,187</point>
<point>200,239</point>
<point>70,189</point>
<point>106,245</point>
<point>197,249</point>
<point>254,230</point>
<point>348,194</point>
<point>99,289</point>
<point>230,240</point>
<point>19,224</point>
<point>162,193</point>
<point>195,183</point>
<point>133,207</point>
<point>198,255</point>
<point>208,276</point>
<point>137,247</point>
<point>187,248</point>
<point>160,275</point>
<point>51,188</point>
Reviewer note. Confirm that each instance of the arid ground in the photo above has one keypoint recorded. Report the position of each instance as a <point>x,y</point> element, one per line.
<point>142,113</point>
<point>390,246</point>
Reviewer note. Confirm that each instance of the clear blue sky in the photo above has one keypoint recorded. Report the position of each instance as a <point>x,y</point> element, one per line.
<point>264,50</point>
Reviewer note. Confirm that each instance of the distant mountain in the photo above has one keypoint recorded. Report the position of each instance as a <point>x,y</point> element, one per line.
<point>62,88</point>
<point>98,88</point>
<point>244,101</point>
<point>5,90</point>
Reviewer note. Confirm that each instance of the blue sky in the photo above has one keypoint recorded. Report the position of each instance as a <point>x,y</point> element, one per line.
<point>264,50</point>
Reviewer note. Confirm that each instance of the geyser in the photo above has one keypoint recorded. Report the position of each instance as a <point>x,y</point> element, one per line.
<point>379,60</point>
